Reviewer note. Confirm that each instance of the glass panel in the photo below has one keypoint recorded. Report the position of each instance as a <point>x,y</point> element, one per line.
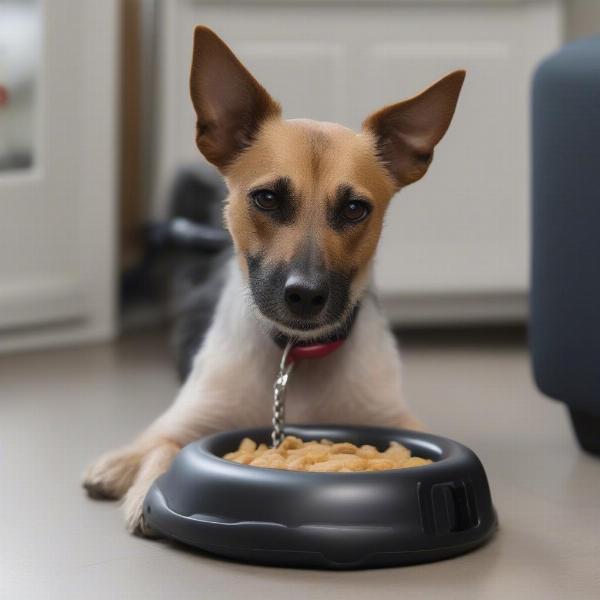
<point>20,42</point>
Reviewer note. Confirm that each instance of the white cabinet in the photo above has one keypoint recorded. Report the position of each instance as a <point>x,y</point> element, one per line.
<point>455,246</point>
<point>57,171</point>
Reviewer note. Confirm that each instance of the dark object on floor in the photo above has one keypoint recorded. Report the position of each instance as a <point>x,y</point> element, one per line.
<point>587,430</point>
<point>565,295</point>
<point>186,234</point>
<point>204,247</point>
<point>183,270</point>
<point>326,520</point>
<point>194,297</point>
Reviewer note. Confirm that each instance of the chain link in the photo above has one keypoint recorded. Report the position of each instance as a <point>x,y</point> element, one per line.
<point>279,387</point>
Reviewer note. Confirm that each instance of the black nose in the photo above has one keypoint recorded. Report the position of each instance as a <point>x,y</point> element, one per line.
<point>306,297</point>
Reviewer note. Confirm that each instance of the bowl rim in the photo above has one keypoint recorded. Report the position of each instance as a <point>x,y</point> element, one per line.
<point>450,451</point>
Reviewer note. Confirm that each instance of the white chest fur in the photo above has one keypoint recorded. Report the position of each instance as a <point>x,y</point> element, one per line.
<point>231,382</point>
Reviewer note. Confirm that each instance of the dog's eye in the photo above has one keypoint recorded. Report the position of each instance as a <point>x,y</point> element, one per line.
<point>265,199</point>
<point>355,211</point>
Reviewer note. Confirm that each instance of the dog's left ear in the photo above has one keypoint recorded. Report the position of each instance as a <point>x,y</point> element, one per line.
<point>406,133</point>
<point>230,104</point>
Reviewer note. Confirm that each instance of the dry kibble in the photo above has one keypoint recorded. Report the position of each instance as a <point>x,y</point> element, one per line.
<point>381,464</point>
<point>397,452</point>
<point>275,461</point>
<point>291,443</point>
<point>247,445</point>
<point>343,448</point>
<point>367,451</point>
<point>261,450</point>
<point>415,461</point>
<point>300,463</point>
<point>328,466</point>
<point>324,456</point>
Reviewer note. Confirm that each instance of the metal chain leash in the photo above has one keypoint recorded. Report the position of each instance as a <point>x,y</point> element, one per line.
<point>279,387</point>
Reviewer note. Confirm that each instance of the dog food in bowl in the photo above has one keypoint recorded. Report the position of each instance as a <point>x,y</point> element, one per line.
<point>325,456</point>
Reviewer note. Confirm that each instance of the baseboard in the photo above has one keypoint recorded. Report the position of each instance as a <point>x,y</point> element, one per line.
<point>455,309</point>
<point>32,303</point>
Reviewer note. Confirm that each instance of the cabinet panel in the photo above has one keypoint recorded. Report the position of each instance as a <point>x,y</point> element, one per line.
<point>57,224</point>
<point>463,227</point>
<point>313,73</point>
<point>459,235</point>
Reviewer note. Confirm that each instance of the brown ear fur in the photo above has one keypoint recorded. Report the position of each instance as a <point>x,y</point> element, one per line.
<point>230,104</point>
<point>406,133</point>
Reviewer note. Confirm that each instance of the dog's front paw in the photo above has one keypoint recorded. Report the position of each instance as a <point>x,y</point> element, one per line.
<point>154,464</point>
<point>133,509</point>
<point>112,474</point>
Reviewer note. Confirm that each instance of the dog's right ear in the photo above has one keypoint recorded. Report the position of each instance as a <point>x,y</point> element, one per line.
<point>230,104</point>
<point>406,133</point>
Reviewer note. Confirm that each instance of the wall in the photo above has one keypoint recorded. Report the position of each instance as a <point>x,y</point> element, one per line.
<point>582,18</point>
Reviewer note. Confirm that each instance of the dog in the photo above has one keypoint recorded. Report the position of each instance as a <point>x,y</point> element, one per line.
<point>305,210</point>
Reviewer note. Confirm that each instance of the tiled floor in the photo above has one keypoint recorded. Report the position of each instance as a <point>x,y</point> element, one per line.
<point>60,409</point>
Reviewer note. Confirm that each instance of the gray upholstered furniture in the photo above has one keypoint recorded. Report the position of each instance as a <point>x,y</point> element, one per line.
<point>565,296</point>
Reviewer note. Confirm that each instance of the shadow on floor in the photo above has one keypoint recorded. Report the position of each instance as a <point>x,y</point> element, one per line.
<point>507,336</point>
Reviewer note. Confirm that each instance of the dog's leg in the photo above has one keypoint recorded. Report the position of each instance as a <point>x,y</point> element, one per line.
<point>129,471</point>
<point>229,387</point>
<point>113,473</point>
<point>208,402</point>
<point>187,419</point>
<point>154,463</point>
<point>408,421</point>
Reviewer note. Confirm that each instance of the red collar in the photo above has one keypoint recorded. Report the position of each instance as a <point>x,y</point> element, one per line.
<point>322,347</point>
<point>314,351</point>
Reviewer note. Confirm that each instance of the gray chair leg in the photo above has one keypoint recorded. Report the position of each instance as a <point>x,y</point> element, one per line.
<point>587,430</point>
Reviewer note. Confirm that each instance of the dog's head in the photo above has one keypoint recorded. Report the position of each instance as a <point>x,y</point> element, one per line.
<point>307,199</point>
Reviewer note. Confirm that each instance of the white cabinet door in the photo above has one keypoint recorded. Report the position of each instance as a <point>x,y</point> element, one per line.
<point>455,245</point>
<point>57,164</point>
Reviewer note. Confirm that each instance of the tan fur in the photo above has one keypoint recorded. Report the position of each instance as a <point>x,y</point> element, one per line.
<point>408,131</point>
<point>113,473</point>
<point>240,130</point>
<point>218,136</point>
<point>317,157</point>
<point>155,462</point>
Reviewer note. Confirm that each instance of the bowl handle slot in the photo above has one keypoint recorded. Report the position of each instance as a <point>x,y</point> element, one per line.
<point>448,507</point>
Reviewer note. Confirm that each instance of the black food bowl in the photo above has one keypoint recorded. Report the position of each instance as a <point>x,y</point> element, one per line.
<point>330,520</point>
